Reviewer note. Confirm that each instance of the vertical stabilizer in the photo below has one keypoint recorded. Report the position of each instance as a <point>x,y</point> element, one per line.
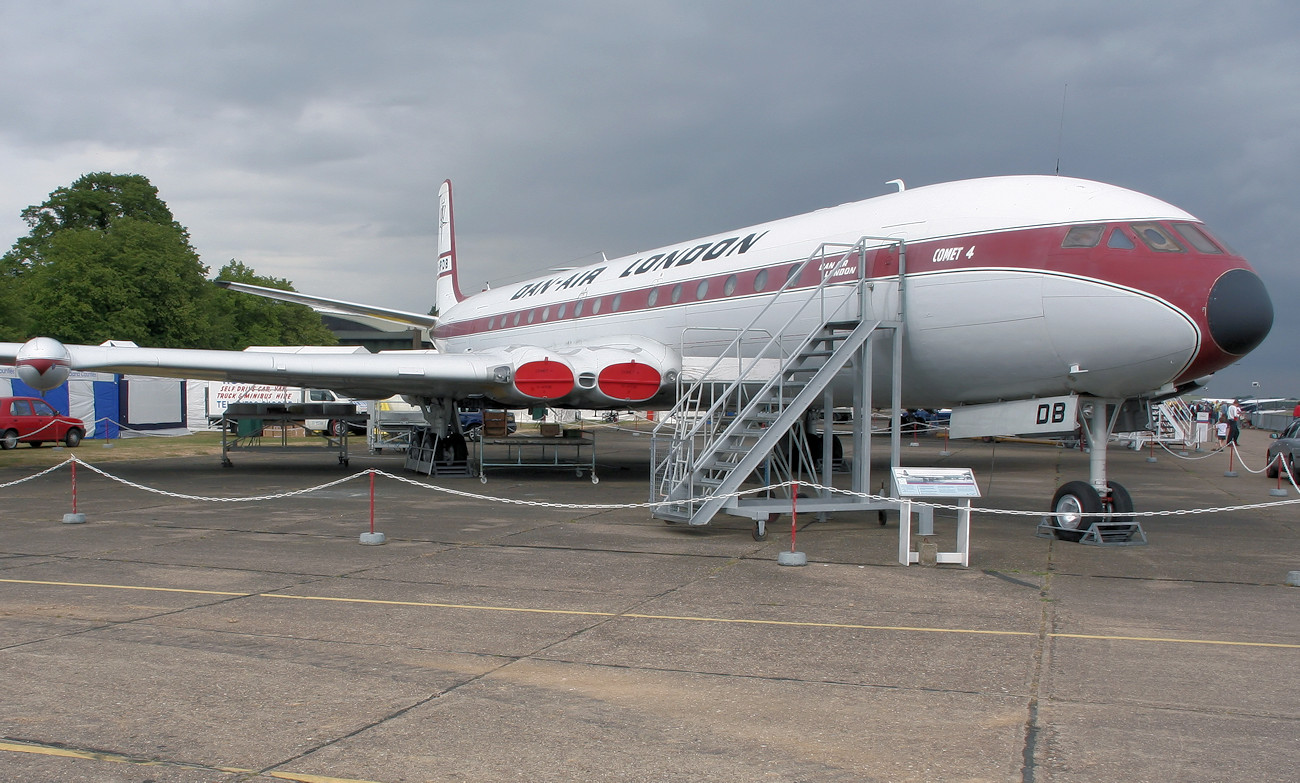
<point>447,288</point>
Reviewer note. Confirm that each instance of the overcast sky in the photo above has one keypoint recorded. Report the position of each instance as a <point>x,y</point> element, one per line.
<point>308,139</point>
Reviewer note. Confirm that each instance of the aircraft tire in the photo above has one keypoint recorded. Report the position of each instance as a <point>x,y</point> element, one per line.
<point>1079,501</point>
<point>1120,503</point>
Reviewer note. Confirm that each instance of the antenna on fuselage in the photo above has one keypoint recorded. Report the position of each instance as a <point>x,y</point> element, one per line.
<point>898,183</point>
<point>1060,131</point>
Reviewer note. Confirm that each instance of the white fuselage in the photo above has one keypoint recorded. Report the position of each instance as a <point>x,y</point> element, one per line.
<point>994,308</point>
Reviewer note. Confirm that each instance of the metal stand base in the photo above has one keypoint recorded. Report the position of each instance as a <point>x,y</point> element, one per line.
<point>1098,533</point>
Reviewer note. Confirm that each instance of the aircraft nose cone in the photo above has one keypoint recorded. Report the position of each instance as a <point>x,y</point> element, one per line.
<point>1239,312</point>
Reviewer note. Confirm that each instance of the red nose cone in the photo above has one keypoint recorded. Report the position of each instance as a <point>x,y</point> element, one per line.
<point>544,380</point>
<point>629,381</point>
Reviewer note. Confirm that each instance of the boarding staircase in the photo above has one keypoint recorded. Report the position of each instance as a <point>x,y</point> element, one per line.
<point>1170,421</point>
<point>724,428</point>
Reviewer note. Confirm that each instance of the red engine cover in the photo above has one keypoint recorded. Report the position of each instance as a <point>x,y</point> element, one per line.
<point>629,381</point>
<point>544,380</point>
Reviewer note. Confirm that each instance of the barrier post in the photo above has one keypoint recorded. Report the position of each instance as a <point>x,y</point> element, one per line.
<point>1279,492</point>
<point>372,538</point>
<point>74,518</point>
<point>793,558</point>
<point>1230,472</point>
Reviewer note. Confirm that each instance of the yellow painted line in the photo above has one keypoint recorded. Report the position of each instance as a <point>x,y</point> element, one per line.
<point>125,587</point>
<point>678,618</point>
<point>301,778</point>
<point>1171,640</point>
<point>429,605</point>
<point>119,758</point>
<point>115,758</point>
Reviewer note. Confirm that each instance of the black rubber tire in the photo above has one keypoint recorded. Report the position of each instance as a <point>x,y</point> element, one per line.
<point>72,438</point>
<point>1272,469</point>
<point>1120,503</point>
<point>9,440</point>
<point>1082,502</point>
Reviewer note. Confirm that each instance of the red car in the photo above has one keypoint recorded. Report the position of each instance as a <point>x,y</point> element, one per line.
<point>32,420</point>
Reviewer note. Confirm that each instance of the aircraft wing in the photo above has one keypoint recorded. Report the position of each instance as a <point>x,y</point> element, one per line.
<point>626,373</point>
<point>338,307</point>
<point>361,375</point>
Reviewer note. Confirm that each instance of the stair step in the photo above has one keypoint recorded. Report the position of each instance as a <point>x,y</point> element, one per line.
<point>668,513</point>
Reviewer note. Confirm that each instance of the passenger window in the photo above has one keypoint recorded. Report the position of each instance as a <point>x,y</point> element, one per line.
<point>729,287</point>
<point>653,298</point>
<point>1155,238</point>
<point>702,290</point>
<point>676,295</point>
<point>617,303</point>
<point>22,408</point>
<point>1119,240</point>
<point>760,280</point>
<point>1083,236</point>
<point>1196,238</point>
<point>42,409</point>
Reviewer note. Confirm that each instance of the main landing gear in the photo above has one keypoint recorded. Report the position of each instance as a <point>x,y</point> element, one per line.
<point>1078,505</point>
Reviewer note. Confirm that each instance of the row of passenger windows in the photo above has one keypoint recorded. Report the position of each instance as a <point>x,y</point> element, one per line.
<point>1153,235</point>
<point>657,296</point>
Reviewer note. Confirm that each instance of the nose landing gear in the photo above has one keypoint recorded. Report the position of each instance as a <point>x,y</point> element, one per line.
<point>1078,506</point>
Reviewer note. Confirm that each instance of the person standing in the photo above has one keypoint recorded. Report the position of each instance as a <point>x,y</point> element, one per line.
<point>1234,415</point>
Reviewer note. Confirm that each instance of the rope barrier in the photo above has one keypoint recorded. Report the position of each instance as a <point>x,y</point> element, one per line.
<point>372,472</point>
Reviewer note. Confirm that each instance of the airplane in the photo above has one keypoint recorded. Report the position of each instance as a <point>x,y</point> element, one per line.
<point>1026,296</point>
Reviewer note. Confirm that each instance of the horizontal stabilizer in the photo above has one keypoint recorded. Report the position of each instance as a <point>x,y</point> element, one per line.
<point>336,307</point>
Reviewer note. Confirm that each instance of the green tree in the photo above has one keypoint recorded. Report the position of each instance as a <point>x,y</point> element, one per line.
<point>106,260</point>
<point>241,320</point>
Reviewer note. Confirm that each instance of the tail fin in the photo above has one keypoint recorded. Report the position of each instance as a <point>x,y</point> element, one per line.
<point>447,288</point>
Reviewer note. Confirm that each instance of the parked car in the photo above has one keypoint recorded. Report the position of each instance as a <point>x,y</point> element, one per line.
<point>32,420</point>
<point>1285,443</point>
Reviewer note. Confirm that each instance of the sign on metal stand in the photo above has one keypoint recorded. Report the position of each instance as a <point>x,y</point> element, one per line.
<point>934,484</point>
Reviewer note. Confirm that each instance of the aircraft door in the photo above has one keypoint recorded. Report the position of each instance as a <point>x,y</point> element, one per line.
<point>882,261</point>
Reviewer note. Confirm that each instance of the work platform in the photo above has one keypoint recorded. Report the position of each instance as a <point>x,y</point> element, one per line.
<point>244,425</point>
<point>538,452</point>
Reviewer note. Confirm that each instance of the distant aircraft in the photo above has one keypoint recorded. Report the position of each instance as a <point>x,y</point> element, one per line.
<point>1030,301</point>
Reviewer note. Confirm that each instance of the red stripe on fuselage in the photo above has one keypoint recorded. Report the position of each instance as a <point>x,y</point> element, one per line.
<point>1181,279</point>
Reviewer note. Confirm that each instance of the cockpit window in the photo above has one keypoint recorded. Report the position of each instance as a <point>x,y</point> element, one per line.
<point>1082,236</point>
<point>1157,238</point>
<point>1120,240</point>
<point>1196,238</point>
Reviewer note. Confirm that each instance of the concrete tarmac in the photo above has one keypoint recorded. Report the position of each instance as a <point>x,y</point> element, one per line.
<point>177,640</point>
